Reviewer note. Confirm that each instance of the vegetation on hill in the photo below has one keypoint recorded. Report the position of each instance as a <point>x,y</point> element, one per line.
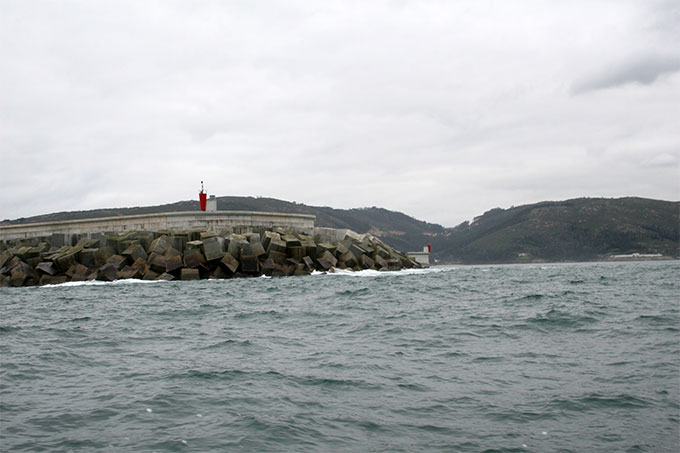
<point>581,229</point>
<point>574,230</point>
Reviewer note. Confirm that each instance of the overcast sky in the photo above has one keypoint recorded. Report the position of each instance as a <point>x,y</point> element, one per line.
<point>439,109</point>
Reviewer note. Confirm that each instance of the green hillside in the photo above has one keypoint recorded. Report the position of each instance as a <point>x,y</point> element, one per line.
<point>572,230</point>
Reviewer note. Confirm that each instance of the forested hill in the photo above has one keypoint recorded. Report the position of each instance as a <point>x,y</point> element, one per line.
<point>581,229</point>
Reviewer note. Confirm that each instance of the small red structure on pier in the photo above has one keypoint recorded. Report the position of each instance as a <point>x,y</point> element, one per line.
<point>202,197</point>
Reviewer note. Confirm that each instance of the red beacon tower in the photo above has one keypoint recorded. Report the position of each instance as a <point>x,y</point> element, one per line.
<point>202,197</point>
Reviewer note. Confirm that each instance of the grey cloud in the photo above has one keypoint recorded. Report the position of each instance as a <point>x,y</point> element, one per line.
<point>438,109</point>
<point>644,69</point>
<point>667,159</point>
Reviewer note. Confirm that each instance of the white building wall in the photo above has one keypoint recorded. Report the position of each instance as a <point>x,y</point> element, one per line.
<point>421,257</point>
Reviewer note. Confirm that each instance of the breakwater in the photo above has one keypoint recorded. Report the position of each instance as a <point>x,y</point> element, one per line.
<point>192,255</point>
<point>193,220</point>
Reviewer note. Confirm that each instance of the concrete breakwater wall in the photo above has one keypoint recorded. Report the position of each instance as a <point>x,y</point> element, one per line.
<point>194,220</point>
<point>243,251</point>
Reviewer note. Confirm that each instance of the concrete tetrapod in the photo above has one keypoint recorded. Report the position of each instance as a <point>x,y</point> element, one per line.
<point>190,255</point>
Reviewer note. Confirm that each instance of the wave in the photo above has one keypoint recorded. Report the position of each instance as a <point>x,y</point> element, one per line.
<point>226,343</point>
<point>9,328</point>
<point>353,292</point>
<point>655,319</point>
<point>271,375</point>
<point>259,313</point>
<point>373,273</point>
<point>337,272</point>
<point>561,319</point>
<point>533,296</point>
<point>594,401</point>
<point>129,281</point>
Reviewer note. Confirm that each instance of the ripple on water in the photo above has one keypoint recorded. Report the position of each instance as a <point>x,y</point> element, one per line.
<point>595,401</point>
<point>557,318</point>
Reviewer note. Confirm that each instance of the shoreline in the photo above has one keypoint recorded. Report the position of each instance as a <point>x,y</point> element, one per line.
<point>504,263</point>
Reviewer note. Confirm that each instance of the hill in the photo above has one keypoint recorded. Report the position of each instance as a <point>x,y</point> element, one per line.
<point>581,229</point>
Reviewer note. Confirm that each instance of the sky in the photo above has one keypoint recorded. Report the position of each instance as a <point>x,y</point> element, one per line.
<point>438,109</point>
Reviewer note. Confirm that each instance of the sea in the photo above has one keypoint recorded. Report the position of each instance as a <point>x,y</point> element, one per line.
<point>499,358</point>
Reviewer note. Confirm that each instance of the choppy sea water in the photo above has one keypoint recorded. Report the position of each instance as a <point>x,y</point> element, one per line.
<point>536,358</point>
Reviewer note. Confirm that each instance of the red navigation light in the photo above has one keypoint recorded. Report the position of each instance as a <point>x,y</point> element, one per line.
<point>202,197</point>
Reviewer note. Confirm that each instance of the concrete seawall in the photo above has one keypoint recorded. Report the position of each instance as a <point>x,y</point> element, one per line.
<point>206,221</point>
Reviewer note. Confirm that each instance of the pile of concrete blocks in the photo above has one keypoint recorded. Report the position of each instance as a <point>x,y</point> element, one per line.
<point>193,255</point>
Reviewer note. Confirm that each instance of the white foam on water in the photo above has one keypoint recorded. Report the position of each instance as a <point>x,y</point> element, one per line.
<point>350,273</point>
<point>373,273</point>
<point>339,272</point>
<point>129,281</point>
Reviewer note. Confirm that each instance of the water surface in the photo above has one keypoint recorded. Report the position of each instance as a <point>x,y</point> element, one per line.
<point>569,357</point>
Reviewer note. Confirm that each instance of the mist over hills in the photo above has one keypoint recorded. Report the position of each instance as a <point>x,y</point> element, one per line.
<point>582,229</point>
